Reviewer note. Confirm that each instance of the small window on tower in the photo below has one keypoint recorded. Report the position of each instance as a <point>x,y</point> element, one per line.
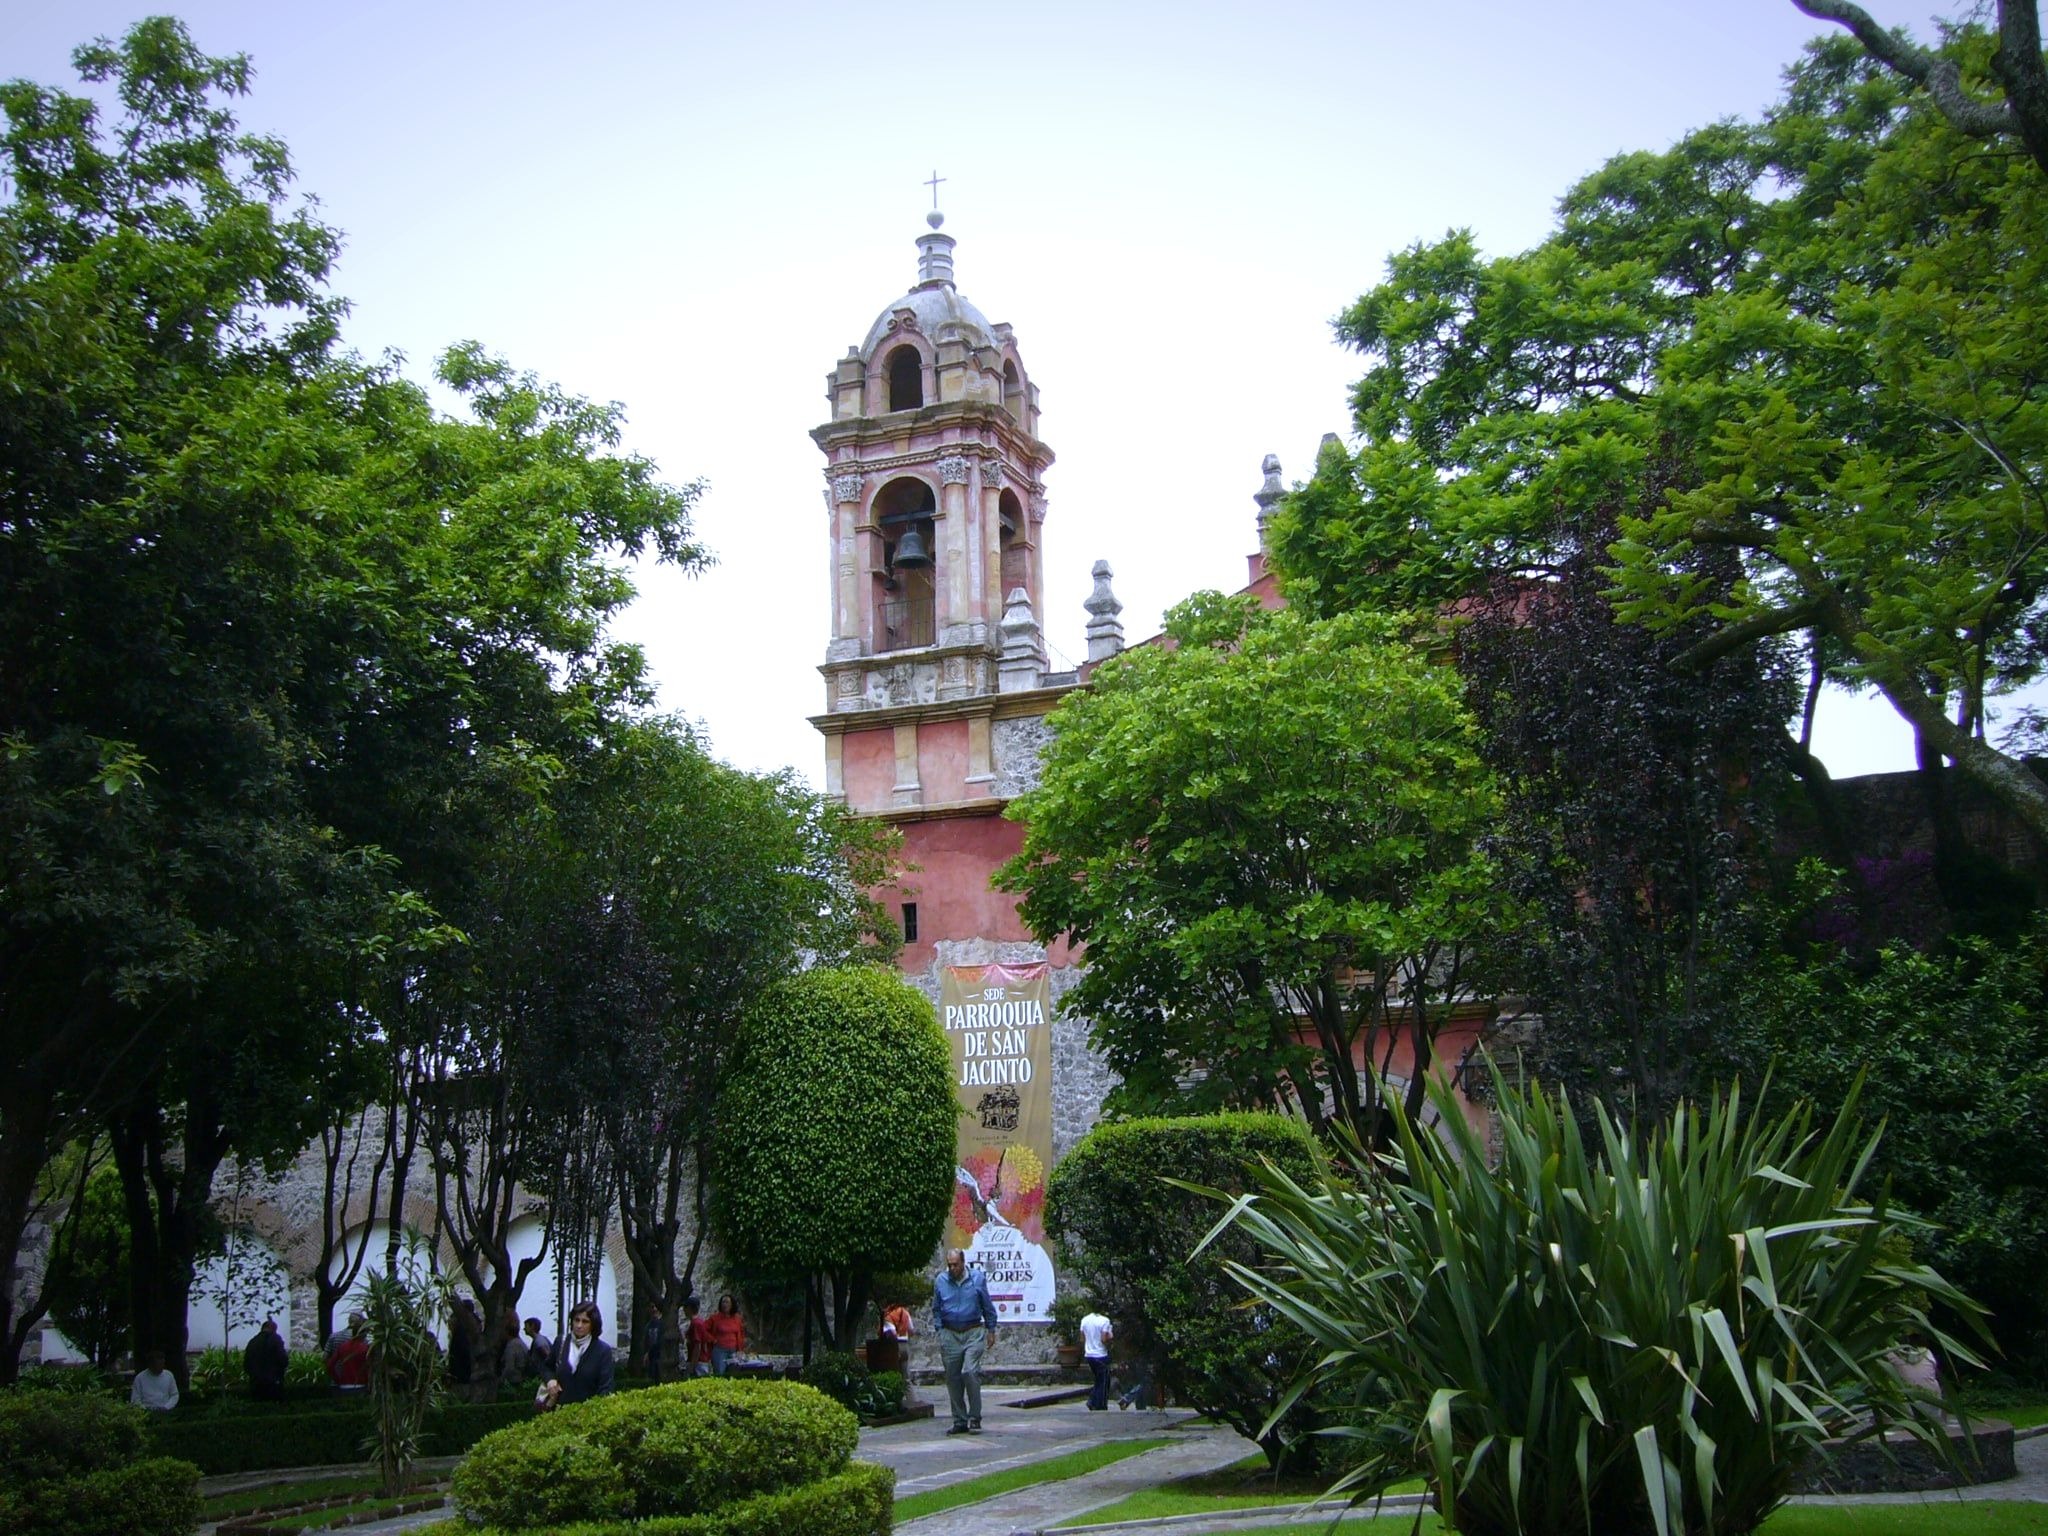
<point>910,922</point>
<point>906,379</point>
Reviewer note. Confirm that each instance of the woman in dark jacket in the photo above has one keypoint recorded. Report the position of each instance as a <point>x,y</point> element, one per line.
<point>583,1361</point>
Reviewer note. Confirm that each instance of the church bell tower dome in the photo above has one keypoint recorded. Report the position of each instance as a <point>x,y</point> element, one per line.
<point>935,491</point>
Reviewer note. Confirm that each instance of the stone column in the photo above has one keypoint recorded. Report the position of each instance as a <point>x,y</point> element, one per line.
<point>954,531</point>
<point>847,619</point>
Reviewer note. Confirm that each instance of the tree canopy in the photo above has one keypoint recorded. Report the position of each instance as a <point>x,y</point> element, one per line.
<point>1830,320</point>
<point>1265,832</point>
<point>280,642</point>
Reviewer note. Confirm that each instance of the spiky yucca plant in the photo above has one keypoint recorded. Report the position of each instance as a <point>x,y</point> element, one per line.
<point>1641,1337</point>
<point>401,1310</point>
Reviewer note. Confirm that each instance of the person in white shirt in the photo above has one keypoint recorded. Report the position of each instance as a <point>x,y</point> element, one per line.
<point>1096,1333</point>
<point>156,1388</point>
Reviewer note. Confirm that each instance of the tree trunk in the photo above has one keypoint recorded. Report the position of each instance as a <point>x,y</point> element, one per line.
<point>167,1207</point>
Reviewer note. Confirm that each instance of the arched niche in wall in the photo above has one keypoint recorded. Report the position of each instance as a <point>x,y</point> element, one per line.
<point>546,1295</point>
<point>1013,390</point>
<point>373,1241</point>
<point>235,1291</point>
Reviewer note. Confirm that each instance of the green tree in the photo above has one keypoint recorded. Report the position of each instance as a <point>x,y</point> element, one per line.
<point>711,883</point>
<point>832,1159</point>
<point>280,643</point>
<point>1832,319</point>
<point>1128,1235</point>
<point>2017,66</point>
<point>86,1285</point>
<point>402,1309</point>
<point>1637,809</point>
<point>1264,831</point>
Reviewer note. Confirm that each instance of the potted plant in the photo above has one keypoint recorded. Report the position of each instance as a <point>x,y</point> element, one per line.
<point>1065,1315</point>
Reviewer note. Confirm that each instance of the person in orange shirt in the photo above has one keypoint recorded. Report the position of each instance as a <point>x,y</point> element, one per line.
<point>728,1334</point>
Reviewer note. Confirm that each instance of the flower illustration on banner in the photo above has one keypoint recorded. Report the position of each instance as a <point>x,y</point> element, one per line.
<point>1003,1184</point>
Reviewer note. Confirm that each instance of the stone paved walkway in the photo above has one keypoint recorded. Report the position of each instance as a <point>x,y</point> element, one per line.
<point>925,1457</point>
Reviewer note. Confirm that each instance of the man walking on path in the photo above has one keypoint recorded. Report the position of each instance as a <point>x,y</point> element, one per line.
<point>1096,1333</point>
<point>967,1327</point>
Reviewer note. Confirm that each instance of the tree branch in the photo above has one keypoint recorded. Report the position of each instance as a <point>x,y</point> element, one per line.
<point>2018,65</point>
<point>1733,637</point>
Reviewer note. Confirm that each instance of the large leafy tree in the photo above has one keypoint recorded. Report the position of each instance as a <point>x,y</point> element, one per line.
<point>1264,831</point>
<point>279,642</point>
<point>1636,821</point>
<point>1832,319</point>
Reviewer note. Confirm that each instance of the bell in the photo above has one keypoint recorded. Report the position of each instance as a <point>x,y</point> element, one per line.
<point>911,554</point>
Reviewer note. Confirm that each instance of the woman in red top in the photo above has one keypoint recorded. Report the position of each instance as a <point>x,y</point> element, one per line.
<point>728,1333</point>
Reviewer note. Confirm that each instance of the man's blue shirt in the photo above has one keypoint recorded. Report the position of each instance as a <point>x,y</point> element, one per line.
<point>964,1302</point>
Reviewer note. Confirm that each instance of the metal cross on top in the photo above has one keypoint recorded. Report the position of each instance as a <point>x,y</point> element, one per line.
<point>934,185</point>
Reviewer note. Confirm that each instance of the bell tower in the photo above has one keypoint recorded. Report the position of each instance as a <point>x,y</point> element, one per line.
<point>935,494</point>
<point>937,682</point>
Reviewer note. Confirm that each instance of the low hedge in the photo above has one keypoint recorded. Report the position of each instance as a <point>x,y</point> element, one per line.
<point>76,1465</point>
<point>858,1501</point>
<point>687,1449</point>
<point>258,1442</point>
<point>155,1497</point>
<point>45,1435</point>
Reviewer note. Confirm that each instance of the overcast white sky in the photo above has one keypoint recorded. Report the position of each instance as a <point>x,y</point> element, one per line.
<point>695,209</point>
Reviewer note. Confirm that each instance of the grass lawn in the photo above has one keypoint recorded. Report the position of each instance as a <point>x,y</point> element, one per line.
<point>283,1495</point>
<point>2020,1407</point>
<point>1981,1518</point>
<point>1054,1470</point>
<point>1241,1485</point>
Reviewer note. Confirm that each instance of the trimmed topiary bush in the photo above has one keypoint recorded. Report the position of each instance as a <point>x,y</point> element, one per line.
<point>685,1449</point>
<point>859,1501</point>
<point>836,1078</point>
<point>45,1435</point>
<point>1128,1235</point>
<point>157,1497</point>
<point>74,1465</point>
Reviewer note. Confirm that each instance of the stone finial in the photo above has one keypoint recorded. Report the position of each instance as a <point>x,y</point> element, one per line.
<point>1021,662</point>
<point>935,259</point>
<point>1105,629</point>
<point>1268,495</point>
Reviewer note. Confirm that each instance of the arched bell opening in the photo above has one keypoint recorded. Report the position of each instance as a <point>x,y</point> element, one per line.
<point>905,512</point>
<point>906,378</point>
<point>1016,562</point>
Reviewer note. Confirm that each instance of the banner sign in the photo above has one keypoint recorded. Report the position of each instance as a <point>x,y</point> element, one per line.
<point>998,1021</point>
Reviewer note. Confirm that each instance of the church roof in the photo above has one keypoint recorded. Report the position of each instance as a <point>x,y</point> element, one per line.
<point>935,304</point>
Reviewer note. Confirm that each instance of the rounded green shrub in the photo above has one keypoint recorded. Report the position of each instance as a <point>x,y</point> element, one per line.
<point>1129,1236</point>
<point>50,1435</point>
<point>668,1451</point>
<point>74,1465</point>
<point>157,1497</point>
